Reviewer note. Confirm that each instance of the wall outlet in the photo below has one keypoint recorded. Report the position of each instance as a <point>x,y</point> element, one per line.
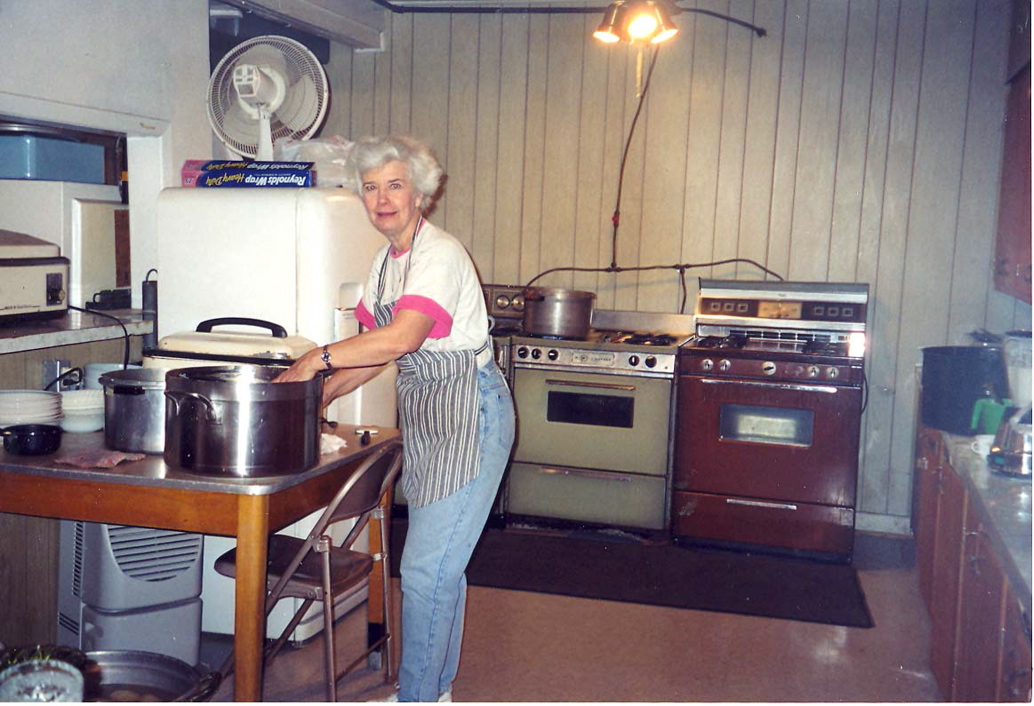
<point>52,369</point>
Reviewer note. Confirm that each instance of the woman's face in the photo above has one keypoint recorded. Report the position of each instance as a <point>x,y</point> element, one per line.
<point>392,203</point>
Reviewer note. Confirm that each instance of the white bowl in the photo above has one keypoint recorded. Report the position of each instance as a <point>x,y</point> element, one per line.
<point>82,400</point>
<point>83,421</point>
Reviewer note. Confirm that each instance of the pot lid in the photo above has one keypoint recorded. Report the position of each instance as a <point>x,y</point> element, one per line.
<point>236,344</point>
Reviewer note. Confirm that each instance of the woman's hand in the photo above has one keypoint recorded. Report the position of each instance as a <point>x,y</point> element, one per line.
<point>303,368</point>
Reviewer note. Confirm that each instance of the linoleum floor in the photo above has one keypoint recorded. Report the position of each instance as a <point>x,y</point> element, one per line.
<point>528,647</point>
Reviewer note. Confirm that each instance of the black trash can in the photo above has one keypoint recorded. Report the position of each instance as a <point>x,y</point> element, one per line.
<point>954,378</point>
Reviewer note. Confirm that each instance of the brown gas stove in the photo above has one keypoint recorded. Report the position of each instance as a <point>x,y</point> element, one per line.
<point>767,429</point>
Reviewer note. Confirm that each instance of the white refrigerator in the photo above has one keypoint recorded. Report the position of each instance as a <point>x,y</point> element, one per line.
<point>297,257</point>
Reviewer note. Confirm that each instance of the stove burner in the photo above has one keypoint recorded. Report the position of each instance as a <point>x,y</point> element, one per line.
<point>546,337</point>
<point>814,345</point>
<point>636,338</point>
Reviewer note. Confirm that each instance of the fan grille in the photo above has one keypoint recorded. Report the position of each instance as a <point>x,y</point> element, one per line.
<point>302,111</point>
<point>152,554</point>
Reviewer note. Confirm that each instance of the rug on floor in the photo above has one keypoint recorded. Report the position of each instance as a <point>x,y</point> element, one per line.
<point>619,569</point>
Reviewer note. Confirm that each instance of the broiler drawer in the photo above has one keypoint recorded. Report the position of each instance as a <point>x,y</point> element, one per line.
<point>778,524</point>
<point>604,497</point>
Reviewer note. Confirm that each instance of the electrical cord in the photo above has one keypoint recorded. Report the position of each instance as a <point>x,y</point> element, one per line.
<point>616,218</point>
<point>125,333</point>
<point>680,268</point>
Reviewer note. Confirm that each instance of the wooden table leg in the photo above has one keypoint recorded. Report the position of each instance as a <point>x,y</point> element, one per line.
<point>250,598</point>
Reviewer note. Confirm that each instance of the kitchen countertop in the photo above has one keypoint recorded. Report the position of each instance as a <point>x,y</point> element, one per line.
<point>1006,501</point>
<point>75,327</point>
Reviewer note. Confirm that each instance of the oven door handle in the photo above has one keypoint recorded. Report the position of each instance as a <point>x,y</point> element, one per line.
<point>596,385</point>
<point>759,503</point>
<point>598,475</point>
<point>827,389</point>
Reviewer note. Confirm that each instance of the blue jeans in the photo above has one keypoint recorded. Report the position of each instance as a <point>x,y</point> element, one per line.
<point>440,540</point>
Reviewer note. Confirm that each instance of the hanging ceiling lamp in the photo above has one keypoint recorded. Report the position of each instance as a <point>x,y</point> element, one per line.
<point>637,21</point>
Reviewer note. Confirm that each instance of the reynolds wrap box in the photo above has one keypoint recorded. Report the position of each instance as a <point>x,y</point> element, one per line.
<point>247,174</point>
<point>250,178</point>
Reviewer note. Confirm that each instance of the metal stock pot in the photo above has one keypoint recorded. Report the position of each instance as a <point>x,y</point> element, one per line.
<point>557,313</point>
<point>233,420</point>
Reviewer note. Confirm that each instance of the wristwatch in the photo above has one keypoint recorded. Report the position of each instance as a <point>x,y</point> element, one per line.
<point>325,357</point>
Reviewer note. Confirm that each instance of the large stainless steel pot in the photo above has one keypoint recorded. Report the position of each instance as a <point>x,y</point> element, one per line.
<point>558,313</point>
<point>134,410</point>
<point>233,420</point>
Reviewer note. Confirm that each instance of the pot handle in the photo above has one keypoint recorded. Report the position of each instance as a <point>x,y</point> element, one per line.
<point>127,390</point>
<point>203,689</point>
<point>179,397</point>
<point>276,330</point>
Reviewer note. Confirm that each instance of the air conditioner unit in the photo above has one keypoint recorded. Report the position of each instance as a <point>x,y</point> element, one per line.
<point>130,588</point>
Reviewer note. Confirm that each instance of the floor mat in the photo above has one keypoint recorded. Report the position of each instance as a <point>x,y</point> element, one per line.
<point>616,569</point>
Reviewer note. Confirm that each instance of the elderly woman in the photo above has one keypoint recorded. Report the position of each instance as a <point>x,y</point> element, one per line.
<point>424,308</point>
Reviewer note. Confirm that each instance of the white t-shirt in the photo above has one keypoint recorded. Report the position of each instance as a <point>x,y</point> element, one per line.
<point>437,278</point>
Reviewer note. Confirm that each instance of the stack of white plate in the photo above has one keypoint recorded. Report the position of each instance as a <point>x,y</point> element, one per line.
<point>29,407</point>
<point>83,410</point>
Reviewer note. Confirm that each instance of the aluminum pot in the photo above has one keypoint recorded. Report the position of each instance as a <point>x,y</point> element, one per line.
<point>134,410</point>
<point>128,675</point>
<point>557,313</point>
<point>233,420</point>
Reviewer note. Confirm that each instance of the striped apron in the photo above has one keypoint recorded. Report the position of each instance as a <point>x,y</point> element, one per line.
<point>438,405</point>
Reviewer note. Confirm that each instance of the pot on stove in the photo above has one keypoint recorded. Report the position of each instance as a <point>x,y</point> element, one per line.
<point>557,313</point>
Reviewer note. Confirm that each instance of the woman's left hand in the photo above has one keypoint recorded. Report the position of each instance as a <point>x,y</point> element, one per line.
<point>301,370</point>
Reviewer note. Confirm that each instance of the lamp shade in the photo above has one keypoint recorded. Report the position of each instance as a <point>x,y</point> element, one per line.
<point>666,29</point>
<point>611,29</point>
<point>636,21</point>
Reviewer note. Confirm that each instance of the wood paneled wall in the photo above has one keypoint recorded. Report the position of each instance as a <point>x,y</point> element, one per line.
<point>860,141</point>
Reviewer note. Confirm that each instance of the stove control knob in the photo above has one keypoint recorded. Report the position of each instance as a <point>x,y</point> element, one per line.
<point>833,373</point>
<point>724,365</point>
<point>536,353</point>
<point>522,352</point>
<point>768,368</point>
<point>706,364</point>
<point>651,362</point>
<point>633,360</point>
<point>813,371</point>
<point>553,354</point>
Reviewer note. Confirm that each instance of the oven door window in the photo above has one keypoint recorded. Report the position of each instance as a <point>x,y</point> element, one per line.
<point>758,424</point>
<point>590,409</point>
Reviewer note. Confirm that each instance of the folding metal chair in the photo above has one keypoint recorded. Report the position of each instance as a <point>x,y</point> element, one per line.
<point>314,569</point>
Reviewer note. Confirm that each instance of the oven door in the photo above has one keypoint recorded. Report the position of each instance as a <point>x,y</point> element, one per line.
<point>592,420</point>
<point>772,440</point>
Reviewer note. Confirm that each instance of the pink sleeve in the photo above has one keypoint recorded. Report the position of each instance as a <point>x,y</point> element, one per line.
<point>364,316</point>
<point>428,307</point>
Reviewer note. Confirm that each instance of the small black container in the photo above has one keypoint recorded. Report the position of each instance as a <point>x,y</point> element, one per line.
<point>31,439</point>
<point>954,379</point>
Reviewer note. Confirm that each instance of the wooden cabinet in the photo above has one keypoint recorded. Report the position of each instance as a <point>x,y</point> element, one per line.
<point>948,561</point>
<point>1012,260</point>
<point>980,636</point>
<point>981,603</point>
<point>924,505</point>
<point>1015,682</point>
<point>1012,266</point>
